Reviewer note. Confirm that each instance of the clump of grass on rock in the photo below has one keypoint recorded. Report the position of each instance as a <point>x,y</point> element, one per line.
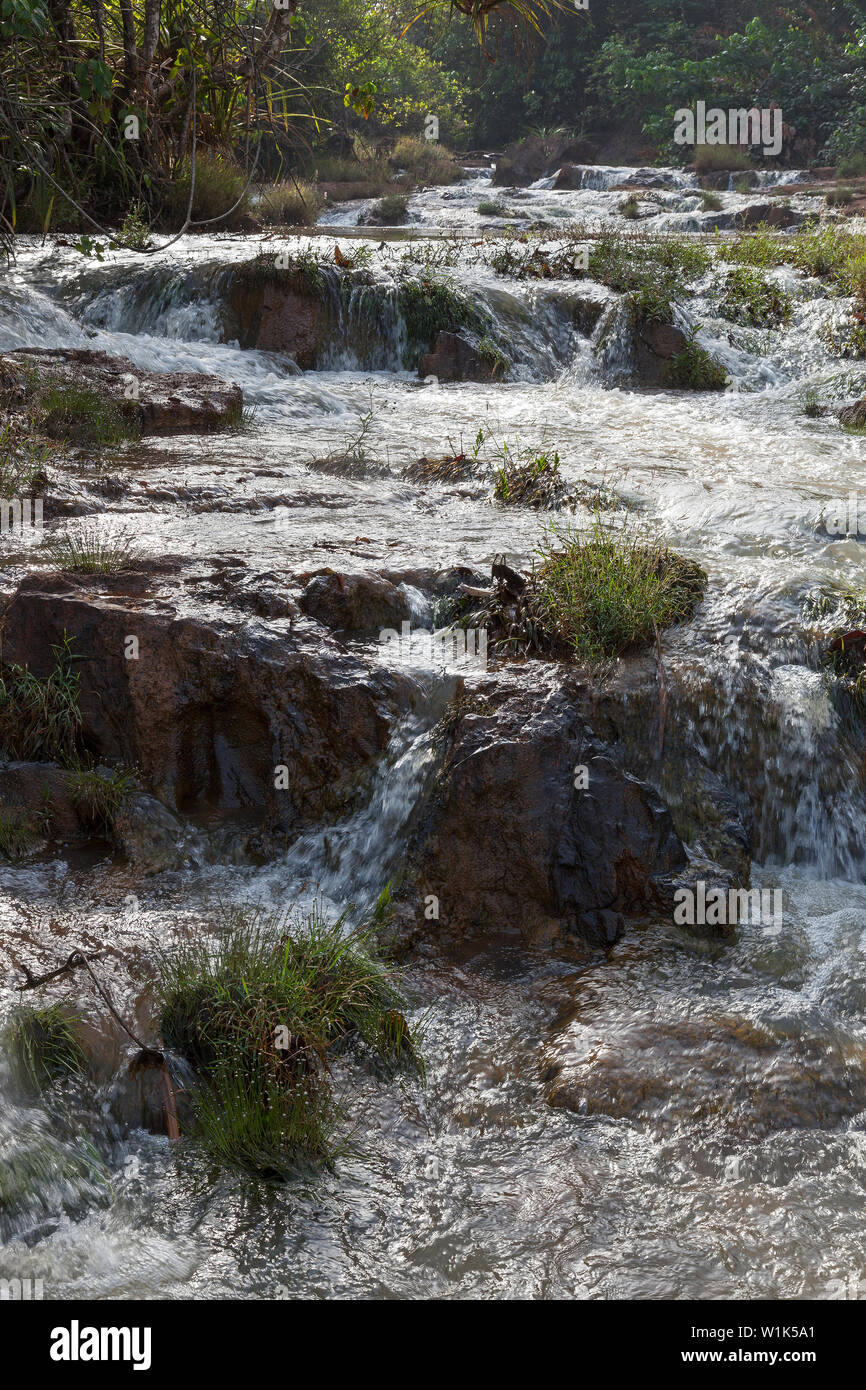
<point>261,1014</point>
<point>40,718</point>
<point>601,595</point>
<point>92,549</point>
<point>43,1046</point>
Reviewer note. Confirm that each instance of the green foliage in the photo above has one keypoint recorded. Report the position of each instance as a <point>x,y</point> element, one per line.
<point>389,211</point>
<point>532,481</point>
<point>134,233</point>
<point>603,595</point>
<point>840,197</point>
<point>429,305</point>
<point>40,719</point>
<point>629,209</point>
<point>710,202</point>
<point>22,462</point>
<point>82,415</point>
<point>290,204</point>
<point>751,299</point>
<point>261,1014</point>
<point>18,833</point>
<point>694,369</point>
<point>99,796</point>
<point>43,1047</point>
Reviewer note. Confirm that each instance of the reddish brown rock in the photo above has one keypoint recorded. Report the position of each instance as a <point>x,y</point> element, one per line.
<point>153,402</point>
<point>455,359</point>
<point>663,339</point>
<point>508,842</point>
<point>210,708</point>
<point>359,603</point>
<point>279,311</point>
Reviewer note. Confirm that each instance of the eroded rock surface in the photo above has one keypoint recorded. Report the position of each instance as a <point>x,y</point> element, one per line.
<point>153,402</point>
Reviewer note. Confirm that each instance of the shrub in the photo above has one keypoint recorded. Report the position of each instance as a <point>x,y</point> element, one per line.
<point>290,204</point>
<point>425,161</point>
<point>712,158</point>
<point>134,233</point>
<point>749,298</point>
<point>710,202</point>
<point>840,197</point>
<point>389,211</point>
<point>628,208</point>
<point>261,1015</point>
<point>220,183</point>
<point>852,166</point>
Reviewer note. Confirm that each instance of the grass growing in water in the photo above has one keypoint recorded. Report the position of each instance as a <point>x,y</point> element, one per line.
<point>535,482</point>
<point>43,1046</point>
<point>18,834</point>
<point>602,595</point>
<point>92,550</point>
<point>40,720</point>
<point>389,211</point>
<point>100,797</point>
<point>694,369</point>
<point>260,1015</point>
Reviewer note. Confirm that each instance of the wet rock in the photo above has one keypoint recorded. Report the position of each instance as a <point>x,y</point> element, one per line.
<point>569,176</point>
<point>455,358</point>
<point>149,836</point>
<point>280,311</point>
<point>211,707</point>
<point>854,414</point>
<point>42,792</point>
<point>772,214</point>
<point>507,840</point>
<point>162,403</point>
<point>357,603</point>
<point>662,339</point>
<point>722,1075</point>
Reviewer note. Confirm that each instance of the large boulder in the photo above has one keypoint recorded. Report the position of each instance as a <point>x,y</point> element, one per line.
<point>280,311</point>
<point>153,402</point>
<point>854,414</point>
<point>511,839</point>
<point>209,707</point>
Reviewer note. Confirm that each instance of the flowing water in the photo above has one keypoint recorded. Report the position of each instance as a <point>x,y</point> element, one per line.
<point>736,1168</point>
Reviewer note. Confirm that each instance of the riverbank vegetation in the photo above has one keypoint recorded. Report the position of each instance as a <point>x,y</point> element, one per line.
<point>183,114</point>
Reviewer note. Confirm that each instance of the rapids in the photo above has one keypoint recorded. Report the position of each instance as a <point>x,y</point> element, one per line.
<point>476,1186</point>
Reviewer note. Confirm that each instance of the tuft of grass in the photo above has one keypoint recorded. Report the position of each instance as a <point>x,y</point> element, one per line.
<point>389,211</point>
<point>100,797</point>
<point>840,197</point>
<point>18,834</point>
<point>261,1014</point>
<point>290,204</point>
<point>533,482</point>
<point>629,208</point>
<point>430,305</point>
<point>710,202</point>
<point>92,550</point>
<point>713,158</point>
<point>219,184</point>
<point>425,161</point>
<point>81,415</point>
<point>602,595</point>
<point>852,166</point>
<point>22,463</point>
<point>811,406</point>
<point>43,1047</point>
<point>752,299</point>
<point>40,718</point>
